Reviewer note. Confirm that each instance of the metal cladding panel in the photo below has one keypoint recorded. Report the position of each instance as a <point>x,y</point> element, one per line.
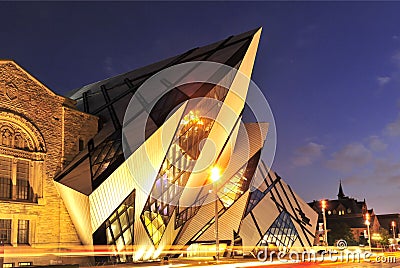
<point>109,195</point>
<point>228,222</point>
<point>303,235</point>
<point>249,233</point>
<point>228,155</point>
<point>137,172</point>
<point>281,191</point>
<point>246,67</point>
<point>78,208</point>
<point>169,235</point>
<point>257,133</point>
<point>297,246</point>
<point>301,206</point>
<point>309,212</point>
<point>203,216</point>
<point>265,213</point>
<point>248,143</point>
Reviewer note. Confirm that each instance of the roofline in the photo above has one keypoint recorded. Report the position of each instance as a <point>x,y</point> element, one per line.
<point>31,76</point>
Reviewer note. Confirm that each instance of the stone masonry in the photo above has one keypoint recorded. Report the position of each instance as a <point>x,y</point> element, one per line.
<point>60,126</point>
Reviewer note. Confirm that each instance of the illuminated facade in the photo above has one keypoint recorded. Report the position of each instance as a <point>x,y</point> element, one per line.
<point>40,133</point>
<point>139,198</point>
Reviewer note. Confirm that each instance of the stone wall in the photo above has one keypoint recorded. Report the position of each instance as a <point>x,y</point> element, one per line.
<point>61,126</point>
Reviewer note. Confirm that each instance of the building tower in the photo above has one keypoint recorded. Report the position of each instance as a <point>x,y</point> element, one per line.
<point>340,194</point>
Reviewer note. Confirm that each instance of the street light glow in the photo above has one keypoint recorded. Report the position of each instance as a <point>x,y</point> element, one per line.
<point>323,203</point>
<point>215,174</point>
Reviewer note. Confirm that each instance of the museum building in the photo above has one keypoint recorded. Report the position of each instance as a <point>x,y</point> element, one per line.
<point>131,171</point>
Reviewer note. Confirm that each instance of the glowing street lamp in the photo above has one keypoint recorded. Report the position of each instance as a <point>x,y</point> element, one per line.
<point>215,175</point>
<point>323,205</point>
<point>367,222</point>
<point>393,228</point>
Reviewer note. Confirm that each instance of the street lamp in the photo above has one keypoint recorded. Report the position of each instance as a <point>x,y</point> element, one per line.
<point>393,228</point>
<point>323,205</point>
<point>369,235</point>
<point>215,175</point>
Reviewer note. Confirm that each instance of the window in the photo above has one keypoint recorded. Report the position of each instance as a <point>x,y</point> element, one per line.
<point>282,232</point>
<point>119,226</point>
<point>8,265</point>
<point>23,232</point>
<point>81,145</point>
<point>5,177</point>
<point>5,231</point>
<point>25,264</point>
<point>23,186</point>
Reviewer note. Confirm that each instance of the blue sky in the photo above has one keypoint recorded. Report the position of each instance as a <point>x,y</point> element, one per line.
<point>330,71</point>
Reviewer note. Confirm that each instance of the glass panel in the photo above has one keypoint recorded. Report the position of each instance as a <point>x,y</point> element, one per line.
<point>23,187</point>
<point>124,221</point>
<point>119,227</point>
<point>5,231</point>
<point>23,232</point>
<point>128,237</point>
<point>5,177</point>
<point>282,232</point>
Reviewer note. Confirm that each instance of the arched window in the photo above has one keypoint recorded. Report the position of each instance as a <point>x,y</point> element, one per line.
<point>21,148</point>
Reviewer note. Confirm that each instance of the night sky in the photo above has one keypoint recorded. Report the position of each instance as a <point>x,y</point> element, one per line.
<point>330,71</point>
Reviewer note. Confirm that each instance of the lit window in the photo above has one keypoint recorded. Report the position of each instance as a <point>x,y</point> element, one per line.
<point>23,232</point>
<point>5,177</point>
<point>8,265</point>
<point>329,212</point>
<point>23,187</point>
<point>5,231</point>
<point>25,264</point>
<point>119,226</point>
<point>348,210</point>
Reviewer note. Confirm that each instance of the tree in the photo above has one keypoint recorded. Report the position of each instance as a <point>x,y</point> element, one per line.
<point>384,237</point>
<point>338,231</point>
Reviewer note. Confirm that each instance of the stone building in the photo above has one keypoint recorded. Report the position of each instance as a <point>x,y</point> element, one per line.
<point>40,133</point>
<point>349,211</point>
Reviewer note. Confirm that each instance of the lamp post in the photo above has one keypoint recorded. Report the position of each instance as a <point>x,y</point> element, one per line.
<point>393,228</point>
<point>323,205</point>
<point>215,176</point>
<point>367,222</point>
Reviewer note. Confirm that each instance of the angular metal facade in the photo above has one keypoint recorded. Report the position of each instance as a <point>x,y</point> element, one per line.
<point>134,201</point>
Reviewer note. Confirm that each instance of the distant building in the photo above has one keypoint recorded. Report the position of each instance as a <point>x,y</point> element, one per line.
<point>345,210</point>
<point>386,221</point>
